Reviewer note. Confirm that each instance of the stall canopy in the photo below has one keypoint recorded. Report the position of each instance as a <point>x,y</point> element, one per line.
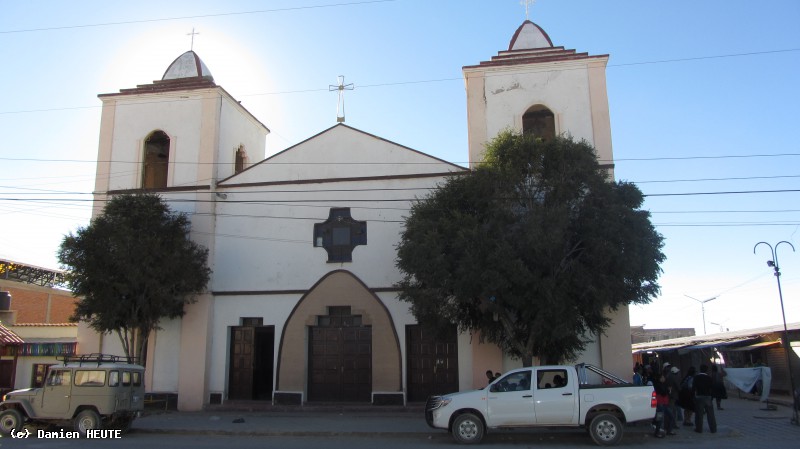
<point>726,339</point>
<point>759,345</point>
<point>687,345</point>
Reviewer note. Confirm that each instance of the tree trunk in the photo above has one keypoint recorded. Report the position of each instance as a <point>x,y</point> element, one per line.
<point>527,360</point>
<point>551,360</point>
<point>142,345</point>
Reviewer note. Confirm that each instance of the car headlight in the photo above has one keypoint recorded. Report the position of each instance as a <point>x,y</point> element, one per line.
<point>438,402</point>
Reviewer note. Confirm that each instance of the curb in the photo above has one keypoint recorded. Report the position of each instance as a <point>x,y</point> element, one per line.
<point>285,433</point>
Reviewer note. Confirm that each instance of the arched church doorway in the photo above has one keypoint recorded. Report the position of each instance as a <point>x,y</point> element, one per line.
<point>339,344</point>
<point>340,357</point>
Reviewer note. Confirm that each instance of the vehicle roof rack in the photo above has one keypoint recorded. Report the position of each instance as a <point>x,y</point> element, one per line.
<point>97,358</point>
<point>582,374</point>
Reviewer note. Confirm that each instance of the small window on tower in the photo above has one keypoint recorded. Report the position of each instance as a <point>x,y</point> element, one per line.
<point>156,161</point>
<point>241,159</point>
<point>539,121</point>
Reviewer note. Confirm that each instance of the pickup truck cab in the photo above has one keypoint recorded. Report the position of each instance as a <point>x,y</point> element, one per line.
<point>546,396</point>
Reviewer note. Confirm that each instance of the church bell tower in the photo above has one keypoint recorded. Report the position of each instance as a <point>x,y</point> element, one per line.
<point>538,88</point>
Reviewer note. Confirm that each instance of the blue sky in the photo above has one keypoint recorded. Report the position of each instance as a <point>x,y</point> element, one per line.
<point>702,98</point>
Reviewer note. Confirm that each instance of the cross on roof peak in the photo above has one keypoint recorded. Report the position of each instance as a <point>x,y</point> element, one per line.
<point>193,34</point>
<point>341,87</point>
<point>527,4</point>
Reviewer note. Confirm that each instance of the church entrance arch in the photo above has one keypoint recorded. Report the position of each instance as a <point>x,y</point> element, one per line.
<point>340,358</point>
<point>339,344</point>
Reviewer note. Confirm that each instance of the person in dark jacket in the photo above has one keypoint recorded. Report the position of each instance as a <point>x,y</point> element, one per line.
<point>674,382</point>
<point>702,387</point>
<point>663,409</point>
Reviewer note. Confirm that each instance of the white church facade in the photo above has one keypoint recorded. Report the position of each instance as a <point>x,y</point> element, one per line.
<point>302,304</point>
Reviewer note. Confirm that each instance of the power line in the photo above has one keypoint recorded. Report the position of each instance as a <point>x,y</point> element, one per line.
<point>685,158</point>
<point>723,193</point>
<point>173,97</point>
<point>359,200</point>
<point>724,224</point>
<point>201,16</point>
<point>306,163</point>
<point>724,211</point>
<point>743,178</point>
<point>699,58</point>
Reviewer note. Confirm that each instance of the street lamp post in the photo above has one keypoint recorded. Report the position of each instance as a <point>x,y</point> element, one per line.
<point>721,329</point>
<point>786,342</point>
<point>703,308</point>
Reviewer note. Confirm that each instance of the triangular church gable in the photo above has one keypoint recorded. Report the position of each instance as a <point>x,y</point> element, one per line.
<point>342,152</point>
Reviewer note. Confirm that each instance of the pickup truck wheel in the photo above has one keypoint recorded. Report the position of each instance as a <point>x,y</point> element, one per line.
<point>605,429</point>
<point>468,429</point>
<point>87,420</point>
<point>10,420</point>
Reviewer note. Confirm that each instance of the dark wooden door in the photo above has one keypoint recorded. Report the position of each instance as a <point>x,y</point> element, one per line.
<point>432,362</point>
<point>240,384</point>
<point>340,363</point>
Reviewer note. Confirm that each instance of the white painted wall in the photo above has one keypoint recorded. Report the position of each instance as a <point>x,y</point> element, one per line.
<point>164,362</point>
<point>238,129</point>
<point>136,117</point>
<point>562,87</point>
<point>274,309</point>
<point>180,115</point>
<point>269,245</point>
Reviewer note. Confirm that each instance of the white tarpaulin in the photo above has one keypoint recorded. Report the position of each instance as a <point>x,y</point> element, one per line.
<point>746,378</point>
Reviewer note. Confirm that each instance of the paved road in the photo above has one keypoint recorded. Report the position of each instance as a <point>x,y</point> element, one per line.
<point>743,424</point>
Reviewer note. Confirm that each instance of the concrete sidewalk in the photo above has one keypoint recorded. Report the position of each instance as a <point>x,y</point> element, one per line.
<point>279,423</point>
<point>740,417</point>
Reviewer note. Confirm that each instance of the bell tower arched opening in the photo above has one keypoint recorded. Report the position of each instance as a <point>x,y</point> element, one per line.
<point>539,121</point>
<point>156,161</point>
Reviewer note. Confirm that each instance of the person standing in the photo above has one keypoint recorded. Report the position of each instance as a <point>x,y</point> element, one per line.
<point>647,375</point>
<point>637,375</point>
<point>674,394</point>
<point>718,391</point>
<point>663,409</point>
<point>489,376</point>
<point>686,399</point>
<point>702,386</point>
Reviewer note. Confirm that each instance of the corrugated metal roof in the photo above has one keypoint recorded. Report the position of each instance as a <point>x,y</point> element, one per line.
<point>762,344</point>
<point>719,339</point>
<point>8,337</point>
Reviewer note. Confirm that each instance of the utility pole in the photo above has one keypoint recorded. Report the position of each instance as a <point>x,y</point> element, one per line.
<point>703,308</point>
<point>787,344</point>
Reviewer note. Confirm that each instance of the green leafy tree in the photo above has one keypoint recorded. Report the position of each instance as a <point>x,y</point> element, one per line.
<point>533,249</point>
<point>132,266</point>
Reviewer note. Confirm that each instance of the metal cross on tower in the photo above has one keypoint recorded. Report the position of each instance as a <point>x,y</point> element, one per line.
<point>341,87</point>
<point>193,34</point>
<point>527,4</point>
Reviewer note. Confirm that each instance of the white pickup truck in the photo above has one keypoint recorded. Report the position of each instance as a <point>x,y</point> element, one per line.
<point>544,396</point>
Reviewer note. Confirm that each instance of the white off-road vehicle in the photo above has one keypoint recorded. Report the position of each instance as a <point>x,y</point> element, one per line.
<point>89,392</point>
